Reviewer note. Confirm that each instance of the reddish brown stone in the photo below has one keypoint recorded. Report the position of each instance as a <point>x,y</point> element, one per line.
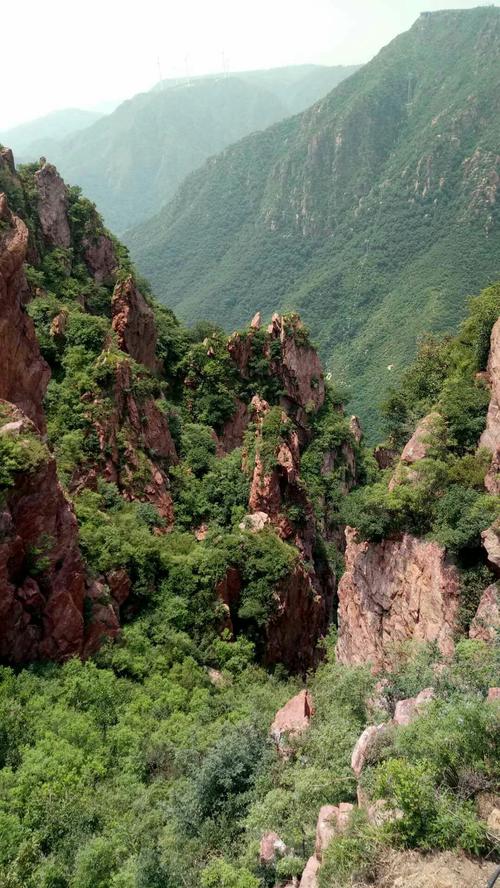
<point>53,207</point>
<point>490,439</point>
<point>134,324</point>
<point>24,374</point>
<point>395,591</point>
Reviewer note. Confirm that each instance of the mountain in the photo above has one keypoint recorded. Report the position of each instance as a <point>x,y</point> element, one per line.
<point>374,213</point>
<point>30,140</point>
<point>132,161</point>
<point>173,551</point>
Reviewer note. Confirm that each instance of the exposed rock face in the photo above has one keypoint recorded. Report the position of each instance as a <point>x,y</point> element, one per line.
<point>409,869</point>
<point>418,446</point>
<point>310,875</point>
<point>42,579</point>
<point>391,592</point>
<point>300,620</point>
<point>134,324</point>
<point>486,623</point>
<point>277,486</point>
<point>493,694</point>
<point>491,542</point>
<point>100,258</point>
<point>145,429</point>
<point>299,367</point>
<point>53,207</point>
<point>490,439</point>
<point>407,710</point>
<point>234,428</point>
<point>24,374</point>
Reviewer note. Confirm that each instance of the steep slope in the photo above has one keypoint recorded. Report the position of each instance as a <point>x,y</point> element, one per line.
<point>175,540</point>
<point>358,213</point>
<point>29,140</point>
<point>131,162</point>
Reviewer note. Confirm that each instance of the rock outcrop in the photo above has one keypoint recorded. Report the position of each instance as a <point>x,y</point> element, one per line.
<point>100,257</point>
<point>135,444</point>
<point>490,439</point>
<point>134,324</point>
<point>407,710</point>
<point>486,623</point>
<point>395,591</point>
<point>52,207</point>
<point>293,718</point>
<point>24,374</point>
<point>491,543</point>
<point>415,450</point>
<point>42,578</point>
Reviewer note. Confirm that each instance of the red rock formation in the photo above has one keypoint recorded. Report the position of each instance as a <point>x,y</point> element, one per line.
<point>293,718</point>
<point>491,542</point>
<point>298,367</point>
<point>392,592</point>
<point>486,623</point>
<point>42,579</point>
<point>300,620</point>
<point>24,375</point>
<point>234,428</point>
<point>52,207</point>
<point>100,258</point>
<point>144,427</point>
<point>310,875</point>
<point>490,439</point>
<point>134,324</point>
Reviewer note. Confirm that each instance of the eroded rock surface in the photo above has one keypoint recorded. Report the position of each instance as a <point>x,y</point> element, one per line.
<point>395,591</point>
<point>42,578</point>
<point>134,324</point>
<point>53,207</point>
<point>490,439</point>
<point>24,374</point>
<point>486,623</point>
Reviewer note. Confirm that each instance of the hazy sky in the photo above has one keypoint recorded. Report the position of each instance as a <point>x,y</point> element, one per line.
<point>78,53</point>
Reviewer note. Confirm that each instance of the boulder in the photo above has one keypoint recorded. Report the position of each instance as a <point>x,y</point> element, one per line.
<point>398,590</point>
<point>365,746</point>
<point>493,822</point>
<point>293,718</point>
<point>493,694</point>
<point>332,819</point>
<point>486,623</point>
<point>271,847</point>
<point>407,710</point>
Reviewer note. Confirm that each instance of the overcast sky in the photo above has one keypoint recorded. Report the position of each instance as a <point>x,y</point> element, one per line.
<point>68,53</point>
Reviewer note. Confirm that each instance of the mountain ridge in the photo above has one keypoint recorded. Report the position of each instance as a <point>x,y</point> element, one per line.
<point>345,212</point>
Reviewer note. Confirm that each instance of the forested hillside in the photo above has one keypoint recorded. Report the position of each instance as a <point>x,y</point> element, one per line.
<point>134,159</point>
<point>374,213</point>
<point>198,686</point>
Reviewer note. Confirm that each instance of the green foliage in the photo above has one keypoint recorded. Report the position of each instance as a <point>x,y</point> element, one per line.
<point>220,874</point>
<point>19,453</point>
<point>352,855</point>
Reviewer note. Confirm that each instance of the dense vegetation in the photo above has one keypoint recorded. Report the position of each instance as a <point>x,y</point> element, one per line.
<point>151,765</point>
<point>132,161</point>
<point>357,214</point>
